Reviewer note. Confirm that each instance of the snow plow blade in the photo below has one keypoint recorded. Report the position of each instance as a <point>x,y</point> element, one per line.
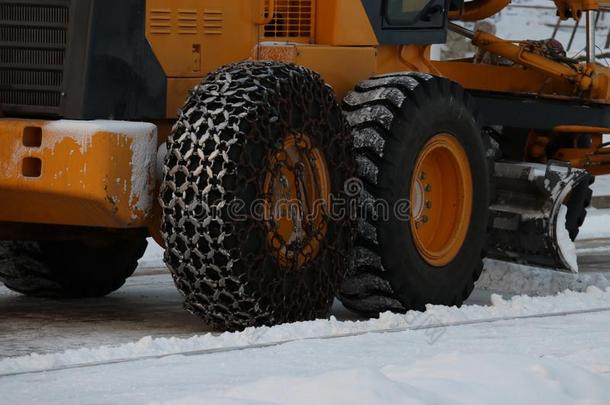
<point>533,213</point>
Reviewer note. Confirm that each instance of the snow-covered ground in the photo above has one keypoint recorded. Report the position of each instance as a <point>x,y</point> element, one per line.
<point>153,258</point>
<point>596,226</point>
<point>601,188</point>
<point>557,360</point>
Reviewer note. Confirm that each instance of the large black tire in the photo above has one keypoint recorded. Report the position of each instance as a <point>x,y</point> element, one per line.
<point>217,161</point>
<point>392,117</point>
<point>69,269</point>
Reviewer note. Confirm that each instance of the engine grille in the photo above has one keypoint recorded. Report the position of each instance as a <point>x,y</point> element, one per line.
<point>292,21</point>
<point>33,42</point>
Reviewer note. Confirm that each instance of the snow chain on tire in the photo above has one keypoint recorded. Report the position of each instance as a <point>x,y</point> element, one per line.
<point>217,163</point>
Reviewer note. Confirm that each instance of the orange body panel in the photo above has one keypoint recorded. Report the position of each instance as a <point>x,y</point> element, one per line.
<point>192,37</point>
<point>363,62</point>
<point>177,93</point>
<point>77,173</point>
<point>324,60</point>
<point>93,186</point>
<point>343,23</point>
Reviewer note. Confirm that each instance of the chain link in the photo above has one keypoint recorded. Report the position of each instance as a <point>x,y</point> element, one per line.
<point>218,156</point>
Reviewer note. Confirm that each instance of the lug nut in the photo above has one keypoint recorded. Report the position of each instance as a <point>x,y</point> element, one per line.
<point>428,188</point>
<point>428,204</point>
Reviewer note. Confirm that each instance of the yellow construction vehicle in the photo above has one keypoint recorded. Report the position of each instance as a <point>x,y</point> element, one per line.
<point>214,126</point>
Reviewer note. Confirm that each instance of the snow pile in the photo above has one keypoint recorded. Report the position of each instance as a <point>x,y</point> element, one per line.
<point>490,378</point>
<point>601,187</point>
<point>510,278</point>
<point>596,226</point>
<point>153,257</point>
<point>516,306</point>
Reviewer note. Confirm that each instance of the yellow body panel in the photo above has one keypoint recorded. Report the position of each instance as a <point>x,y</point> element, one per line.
<point>88,171</point>
<point>77,173</point>
<point>177,92</point>
<point>324,60</point>
<point>192,37</point>
<point>343,23</point>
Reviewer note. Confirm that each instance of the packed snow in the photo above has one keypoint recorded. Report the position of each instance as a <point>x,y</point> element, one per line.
<point>509,278</point>
<point>597,225</point>
<point>557,360</point>
<point>440,379</point>
<point>153,256</point>
<point>434,315</point>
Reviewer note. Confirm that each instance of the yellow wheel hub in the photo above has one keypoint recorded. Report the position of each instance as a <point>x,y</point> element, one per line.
<point>297,194</point>
<point>441,200</point>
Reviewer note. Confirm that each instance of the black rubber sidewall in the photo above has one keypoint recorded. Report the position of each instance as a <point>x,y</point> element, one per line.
<point>66,269</point>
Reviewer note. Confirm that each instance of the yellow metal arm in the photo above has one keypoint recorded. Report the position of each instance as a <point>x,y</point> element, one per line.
<point>517,53</point>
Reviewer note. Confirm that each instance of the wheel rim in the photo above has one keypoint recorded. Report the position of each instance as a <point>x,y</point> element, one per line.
<point>297,195</point>
<point>441,200</point>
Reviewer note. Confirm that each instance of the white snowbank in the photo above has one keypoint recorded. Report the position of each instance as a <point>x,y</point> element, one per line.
<point>596,226</point>
<point>511,278</point>
<point>601,187</point>
<point>490,378</point>
<point>516,306</point>
<point>153,257</point>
